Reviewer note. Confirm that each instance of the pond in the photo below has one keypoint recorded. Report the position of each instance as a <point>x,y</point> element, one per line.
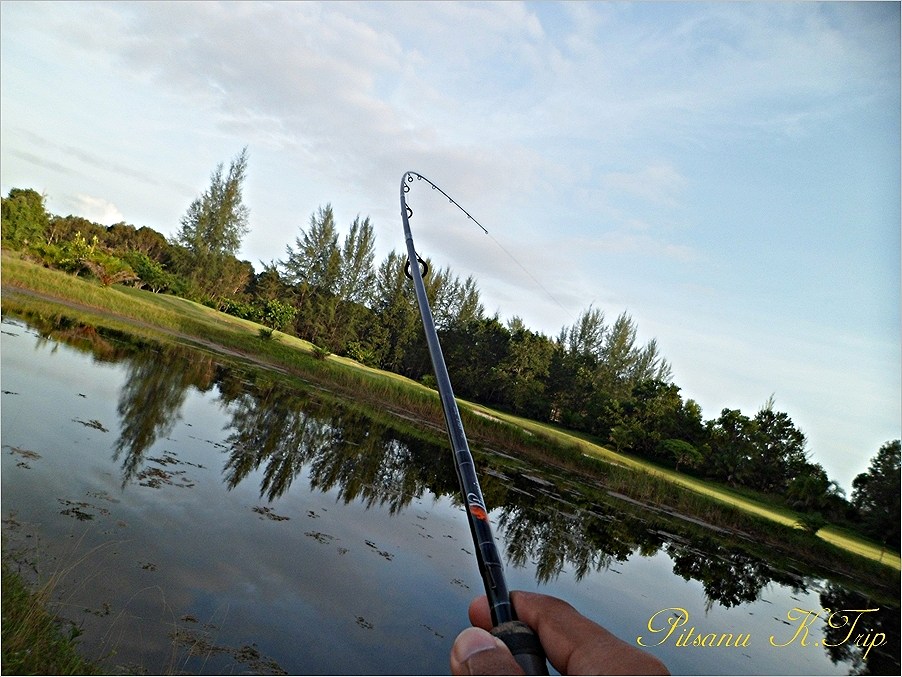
<point>216,518</point>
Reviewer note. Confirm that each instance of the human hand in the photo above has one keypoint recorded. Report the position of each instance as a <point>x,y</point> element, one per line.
<point>574,644</point>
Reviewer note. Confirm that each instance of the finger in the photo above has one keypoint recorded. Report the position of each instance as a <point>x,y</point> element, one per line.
<point>479,613</point>
<point>577,646</point>
<point>476,652</point>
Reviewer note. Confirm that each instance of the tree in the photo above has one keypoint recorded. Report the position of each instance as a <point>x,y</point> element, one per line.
<point>356,277</point>
<point>212,229</point>
<point>731,446</point>
<point>812,491</point>
<point>616,356</point>
<point>313,266</point>
<point>65,228</point>
<point>150,273</point>
<point>24,218</point>
<point>525,370</point>
<point>587,336</point>
<point>333,285</point>
<point>314,262</point>
<point>268,284</point>
<point>657,413</point>
<point>394,305</point>
<point>680,452</point>
<point>648,365</point>
<point>875,494</point>
<point>474,353</point>
<point>779,454</point>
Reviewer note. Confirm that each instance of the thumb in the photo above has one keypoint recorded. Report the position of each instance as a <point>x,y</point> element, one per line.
<point>476,652</point>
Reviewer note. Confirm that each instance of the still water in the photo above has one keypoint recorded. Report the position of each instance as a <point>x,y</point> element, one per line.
<point>217,519</point>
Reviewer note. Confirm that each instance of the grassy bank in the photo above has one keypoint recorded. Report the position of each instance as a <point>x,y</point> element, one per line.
<point>32,290</point>
<point>35,641</point>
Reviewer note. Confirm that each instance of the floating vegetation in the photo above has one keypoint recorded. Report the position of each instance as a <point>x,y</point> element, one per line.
<point>382,553</point>
<point>102,495</point>
<point>78,509</point>
<point>320,537</point>
<point>104,610</point>
<point>93,423</point>
<point>25,454</point>
<point>434,632</point>
<point>269,513</point>
<point>168,458</point>
<point>155,478</point>
<point>198,643</point>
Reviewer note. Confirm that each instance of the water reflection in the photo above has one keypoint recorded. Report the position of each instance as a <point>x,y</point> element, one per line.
<point>729,577</point>
<point>151,399</point>
<point>541,529</point>
<point>285,432</point>
<point>861,633</point>
<point>279,432</point>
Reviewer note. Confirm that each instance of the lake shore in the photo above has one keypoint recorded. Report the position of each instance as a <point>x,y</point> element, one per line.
<point>30,290</point>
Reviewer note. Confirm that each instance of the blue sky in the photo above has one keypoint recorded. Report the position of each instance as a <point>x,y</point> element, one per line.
<point>728,173</point>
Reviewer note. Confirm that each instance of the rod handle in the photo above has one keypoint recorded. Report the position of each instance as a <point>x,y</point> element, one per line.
<point>524,645</point>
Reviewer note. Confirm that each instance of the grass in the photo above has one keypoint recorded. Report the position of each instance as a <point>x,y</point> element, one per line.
<point>34,640</point>
<point>722,494</point>
<point>51,293</point>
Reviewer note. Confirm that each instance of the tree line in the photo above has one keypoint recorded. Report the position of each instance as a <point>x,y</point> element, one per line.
<point>593,377</point>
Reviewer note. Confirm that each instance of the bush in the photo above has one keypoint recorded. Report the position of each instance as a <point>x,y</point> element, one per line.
<point>150,273</point>
<point>108,269</point>
<point>277,315</point>
<point>245,311</point>
<point>812,522</point>
<point>363,354</point>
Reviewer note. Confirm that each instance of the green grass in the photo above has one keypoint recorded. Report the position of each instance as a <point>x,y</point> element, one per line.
<point>35,641</point>
<point>720,493</point>
<point>156,315</point>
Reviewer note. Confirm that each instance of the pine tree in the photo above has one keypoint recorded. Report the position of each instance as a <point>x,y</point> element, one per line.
<point>212,230</point>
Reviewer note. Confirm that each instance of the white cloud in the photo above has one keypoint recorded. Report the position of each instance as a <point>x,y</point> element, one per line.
<point>577,133</point>
<point>95,209</point>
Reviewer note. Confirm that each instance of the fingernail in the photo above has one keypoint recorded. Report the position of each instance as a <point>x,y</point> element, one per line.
<point>473,640</point>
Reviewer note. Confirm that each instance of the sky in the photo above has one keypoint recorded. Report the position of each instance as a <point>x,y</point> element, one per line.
<point>726,173</point>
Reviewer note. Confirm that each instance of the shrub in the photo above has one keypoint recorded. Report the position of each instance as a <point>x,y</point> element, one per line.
<point>277,315</point>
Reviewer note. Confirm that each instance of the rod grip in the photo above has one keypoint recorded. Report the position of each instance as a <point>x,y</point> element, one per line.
<point>524,645</point>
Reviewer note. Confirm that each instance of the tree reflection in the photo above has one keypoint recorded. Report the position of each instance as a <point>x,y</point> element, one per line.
<point>284,432</point>
<point>729,576</point>
<point>545,529</point>
<point>279,432</point>
<point>845,647</point>
<point>152,397</point>
<point>271,428</point>
<point>377,465</point>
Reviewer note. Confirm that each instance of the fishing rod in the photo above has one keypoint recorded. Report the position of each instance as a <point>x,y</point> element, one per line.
<point>519,637</point>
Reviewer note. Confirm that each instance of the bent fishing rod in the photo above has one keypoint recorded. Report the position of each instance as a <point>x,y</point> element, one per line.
<point>519,637</point>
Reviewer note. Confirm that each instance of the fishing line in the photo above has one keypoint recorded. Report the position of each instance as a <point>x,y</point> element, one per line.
<point>492,238</point>
<point>519,637</point>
